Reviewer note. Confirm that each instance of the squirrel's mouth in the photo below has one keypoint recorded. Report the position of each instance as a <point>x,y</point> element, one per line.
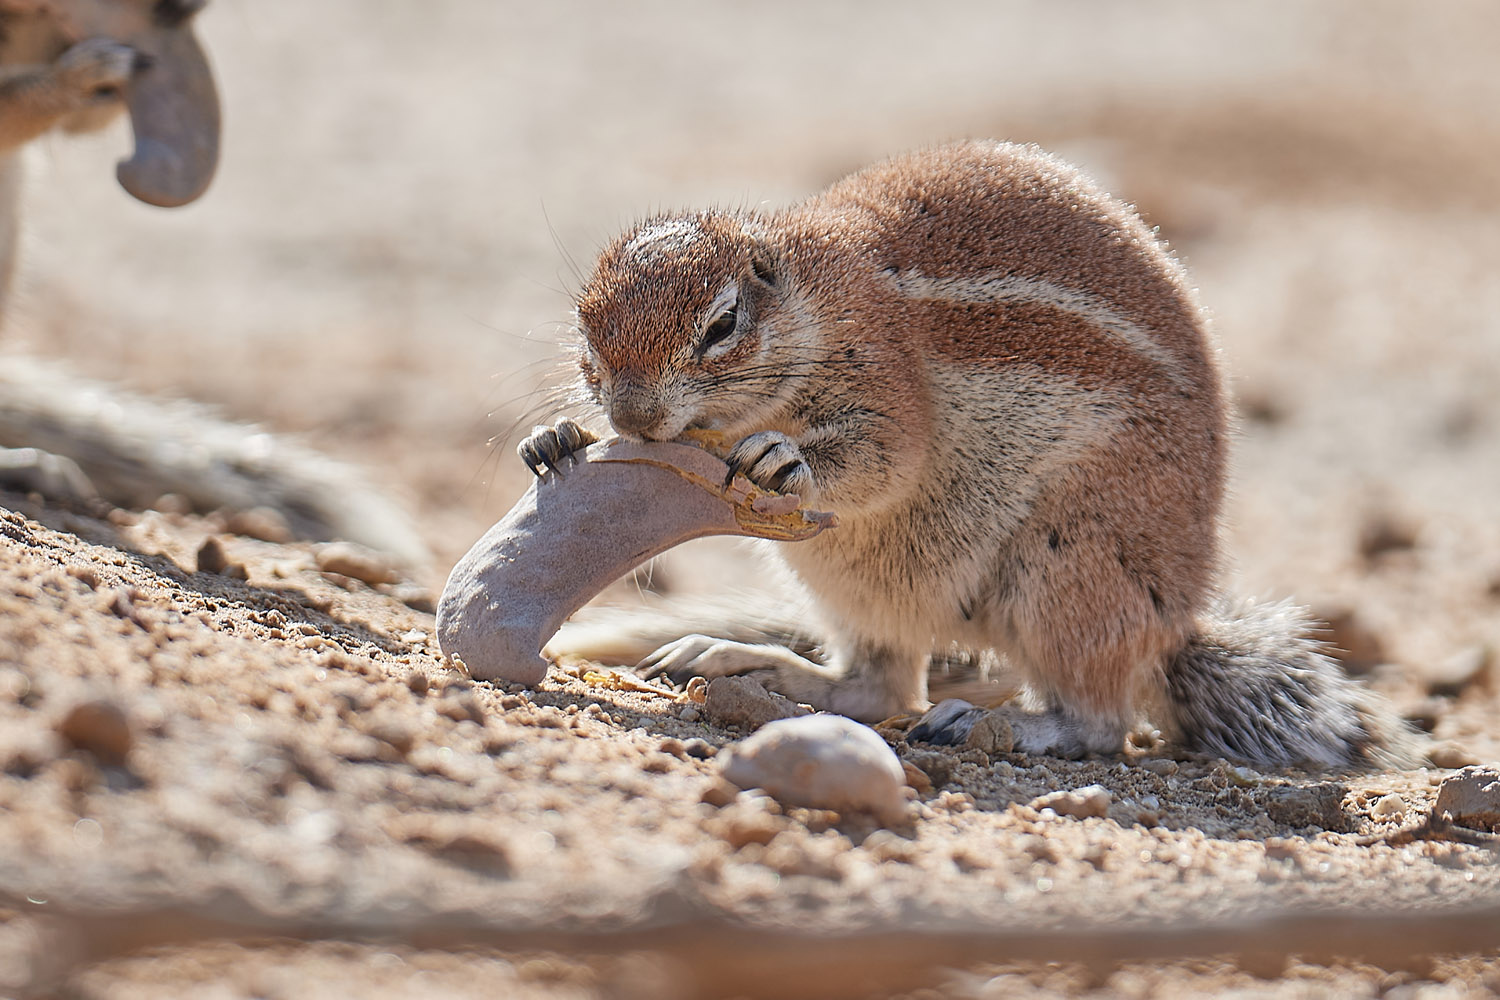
<point>662,430</point>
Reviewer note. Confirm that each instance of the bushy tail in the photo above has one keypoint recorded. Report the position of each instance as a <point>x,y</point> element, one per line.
<point>135,449</point>
<point>1254,685</point>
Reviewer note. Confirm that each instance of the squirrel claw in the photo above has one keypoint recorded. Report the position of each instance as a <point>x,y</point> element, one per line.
<point>549,447</point>
<point>772,461</point>
<point>947,723</point>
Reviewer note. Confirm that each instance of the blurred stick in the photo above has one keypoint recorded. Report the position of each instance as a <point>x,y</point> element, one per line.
<point>709,956</point>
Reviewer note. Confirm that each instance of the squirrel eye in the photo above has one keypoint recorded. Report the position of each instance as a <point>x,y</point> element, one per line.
<point>720,328</point>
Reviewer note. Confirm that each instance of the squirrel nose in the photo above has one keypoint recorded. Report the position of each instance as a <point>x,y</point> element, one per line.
<point>636,414</point>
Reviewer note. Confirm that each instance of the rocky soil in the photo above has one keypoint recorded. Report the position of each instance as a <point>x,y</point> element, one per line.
<point>235,767</point>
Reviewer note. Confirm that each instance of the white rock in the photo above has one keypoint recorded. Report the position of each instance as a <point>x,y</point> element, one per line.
<point>1390,806</point>
<point>1080,803</point>
<point>823,762</point>
<point>1471,798</point>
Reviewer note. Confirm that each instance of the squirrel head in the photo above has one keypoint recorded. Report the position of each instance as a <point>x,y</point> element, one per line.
<point>676,322</point>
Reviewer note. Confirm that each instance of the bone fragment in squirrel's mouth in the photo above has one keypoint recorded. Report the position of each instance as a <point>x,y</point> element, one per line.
<point>571,535</point>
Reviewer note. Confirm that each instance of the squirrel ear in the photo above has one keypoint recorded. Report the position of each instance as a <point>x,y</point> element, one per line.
<point>762,267</point>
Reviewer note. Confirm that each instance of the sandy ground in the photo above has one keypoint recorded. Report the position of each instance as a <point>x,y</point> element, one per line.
<point>382,267</point>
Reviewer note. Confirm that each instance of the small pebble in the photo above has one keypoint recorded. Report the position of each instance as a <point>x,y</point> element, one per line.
<point>1149,811</point>
<point>1244,777</point>
<point>1091,801</point>
<point>1383,533</point>
<point>1471,798</point>
<point>414,596</point>
<point>172,503</point>
<point>356,561</point>
<point>884,845</point>
<point>1451,755</point>
<point>457,841</point>
<point>917,778</point>
<point>822,761</point>
<point>744,702</point>
<point>1358,649</point>
<point>461,706</point>
<point>1468,668</point>
<point>700,749</point>
<point>85,575</point>
<point>719,794</point>
<point>120,602</point>
<point>991,734</point>
<point>1320,806</point>
<point>264,523</point>
<point>394,734</point>
<point>742,823</point>
<point>937,766</point>
<point>1390,806</point>
<point>1427,713</point>
<point>101,728</point>
<point>211,556</point>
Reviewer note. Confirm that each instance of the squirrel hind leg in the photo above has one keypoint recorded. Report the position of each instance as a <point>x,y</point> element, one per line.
<point>867,683</point>
<point>1054,731</point>
<point>1253,685</point>
<point>708,657</point>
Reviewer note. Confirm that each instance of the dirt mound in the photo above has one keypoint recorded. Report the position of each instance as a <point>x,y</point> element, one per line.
<point>190,758</point>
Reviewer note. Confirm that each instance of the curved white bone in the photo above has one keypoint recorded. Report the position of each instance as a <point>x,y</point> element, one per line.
<point>174,112</point>
<point>572,534</point>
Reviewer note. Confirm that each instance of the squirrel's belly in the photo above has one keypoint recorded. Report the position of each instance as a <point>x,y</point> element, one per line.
<point>934,565</point>
<point>887,578</point>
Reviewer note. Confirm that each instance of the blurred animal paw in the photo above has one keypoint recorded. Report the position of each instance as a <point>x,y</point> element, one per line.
<point>29,470</point>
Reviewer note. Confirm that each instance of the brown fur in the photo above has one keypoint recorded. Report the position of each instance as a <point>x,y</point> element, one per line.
<point>1001,382</point>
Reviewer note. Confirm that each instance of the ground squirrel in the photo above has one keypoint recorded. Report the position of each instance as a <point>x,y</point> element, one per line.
<point>1003,385</point>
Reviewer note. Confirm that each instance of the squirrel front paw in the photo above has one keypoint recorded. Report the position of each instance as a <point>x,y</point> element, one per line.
<point>553,447</point>
<point>96,70</point>
<point>772,461</point>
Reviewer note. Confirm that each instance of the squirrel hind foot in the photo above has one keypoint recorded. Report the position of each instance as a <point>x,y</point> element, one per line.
<point>1051,731</point>
<point>948,723</point>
